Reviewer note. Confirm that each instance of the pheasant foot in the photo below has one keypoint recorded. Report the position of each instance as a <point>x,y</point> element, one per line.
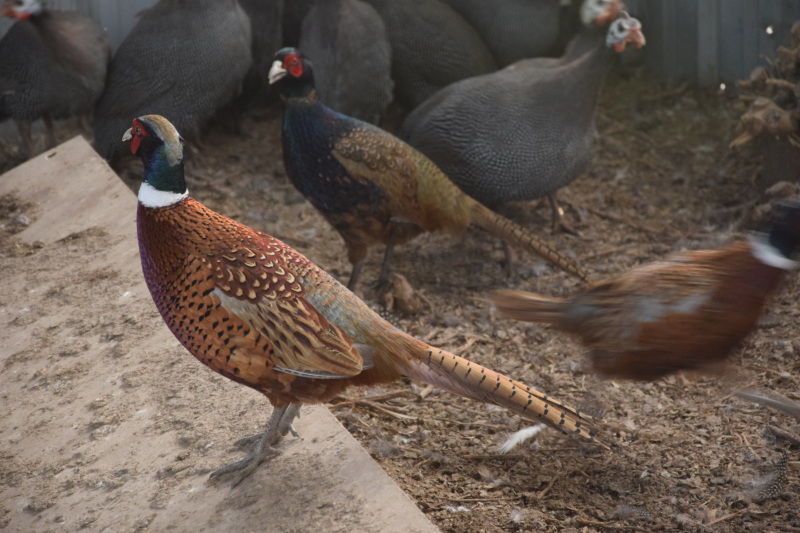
<point>278,425</point>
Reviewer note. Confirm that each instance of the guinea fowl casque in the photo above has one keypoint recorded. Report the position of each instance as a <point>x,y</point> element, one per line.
<point>52,65</point>
<point>432,47</point>
<point>184,58</point>
<point>686,312</point>
<point>369,185</point>
<point>337,34</point>
<point>528,130</point>
<point>258,312</point>
<point>512,29</point>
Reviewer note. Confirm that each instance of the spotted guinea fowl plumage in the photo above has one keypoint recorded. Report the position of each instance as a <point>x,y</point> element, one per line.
<point>186,59</point>
<point>52,66</point>
<point>260,313</point>
<point>523,132</point>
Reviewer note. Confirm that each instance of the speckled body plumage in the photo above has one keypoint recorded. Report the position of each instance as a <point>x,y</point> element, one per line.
<point>432,47</point>
<point>517,134</point>
<point>260,313</point>
<point>512,29</point>
<point>338,35</point>
<point>686,312</point>
<point>53,66</point>
<point>372,187</point>
<point>184,58</point>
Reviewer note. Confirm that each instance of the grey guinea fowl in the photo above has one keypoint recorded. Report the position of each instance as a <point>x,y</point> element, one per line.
<point>432,46</point>
<point>512,29</point>
<point>184,59</point>
<point>525,131</point>
<point>266,21</point>
<point>347,43</point>
<point>53,66</point>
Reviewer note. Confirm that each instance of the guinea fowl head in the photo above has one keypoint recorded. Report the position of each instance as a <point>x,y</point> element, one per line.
<point>21,9</point>
<point>600,12</point>
<point>156,141</point>
<point>624,30</point>
<point>292,75</point>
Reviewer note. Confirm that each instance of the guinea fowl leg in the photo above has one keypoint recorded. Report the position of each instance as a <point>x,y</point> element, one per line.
<point>51,132</point>
<point>24,129</point>
<point>278,425</point>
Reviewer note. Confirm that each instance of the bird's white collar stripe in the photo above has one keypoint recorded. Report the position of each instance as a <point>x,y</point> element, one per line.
<point>769,255</point>
<point>149,196</point>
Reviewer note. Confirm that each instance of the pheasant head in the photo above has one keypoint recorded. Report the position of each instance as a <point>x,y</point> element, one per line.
<point>291,73</point>
<point>156,141</point>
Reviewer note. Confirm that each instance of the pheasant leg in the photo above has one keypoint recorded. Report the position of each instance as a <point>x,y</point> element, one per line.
<point>278,425</point>
<point>351,284</point>
<point>383,277</point>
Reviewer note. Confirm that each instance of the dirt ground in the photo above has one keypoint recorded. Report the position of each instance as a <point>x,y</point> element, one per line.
<point>682,453</point>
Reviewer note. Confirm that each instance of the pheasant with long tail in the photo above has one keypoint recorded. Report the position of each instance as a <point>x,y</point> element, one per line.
<point>258,312</point>
<point>372,187</point>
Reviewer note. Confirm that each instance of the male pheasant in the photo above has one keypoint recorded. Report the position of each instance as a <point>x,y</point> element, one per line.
<point>258,312</point>
<point>372,187</point>
<point>686,312</point>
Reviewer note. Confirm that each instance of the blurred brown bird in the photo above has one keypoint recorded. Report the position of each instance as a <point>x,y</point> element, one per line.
<point>261,314</point>
<point>683,313</point>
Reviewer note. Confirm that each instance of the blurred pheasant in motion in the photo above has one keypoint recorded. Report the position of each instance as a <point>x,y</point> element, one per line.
<point>372,187</point>
<point>683,313</point>
<point>258,312</point>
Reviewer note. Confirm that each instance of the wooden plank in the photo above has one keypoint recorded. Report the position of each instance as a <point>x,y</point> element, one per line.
<point>85,276</point>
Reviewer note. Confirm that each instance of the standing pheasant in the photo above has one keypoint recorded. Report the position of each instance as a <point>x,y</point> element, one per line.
<point>258,312</point>
<point>372,187</point>
<point>52,65</point>
<point>686,312</point>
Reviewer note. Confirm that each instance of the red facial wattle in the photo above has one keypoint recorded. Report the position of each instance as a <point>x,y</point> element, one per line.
<point>293,64</point>
<point>137,132</point>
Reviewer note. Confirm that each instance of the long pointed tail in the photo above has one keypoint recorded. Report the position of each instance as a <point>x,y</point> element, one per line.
<point>461,376</point>
<point>516,235</point>
<point>528,306</point>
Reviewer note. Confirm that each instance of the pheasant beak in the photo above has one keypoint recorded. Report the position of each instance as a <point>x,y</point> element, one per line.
<point>128,135</point>
<point>276,72</point>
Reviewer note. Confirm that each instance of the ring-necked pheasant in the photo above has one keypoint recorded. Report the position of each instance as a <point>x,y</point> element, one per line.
<point>540,111</point>
<point>258,312</point>
<point>52,65</point>
<point>686,312</point>
<point>372,187</point>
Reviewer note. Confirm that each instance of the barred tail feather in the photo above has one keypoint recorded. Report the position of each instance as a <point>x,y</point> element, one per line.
<point>461,376</point>
<point>516,235</point>
<point>528,306</point>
